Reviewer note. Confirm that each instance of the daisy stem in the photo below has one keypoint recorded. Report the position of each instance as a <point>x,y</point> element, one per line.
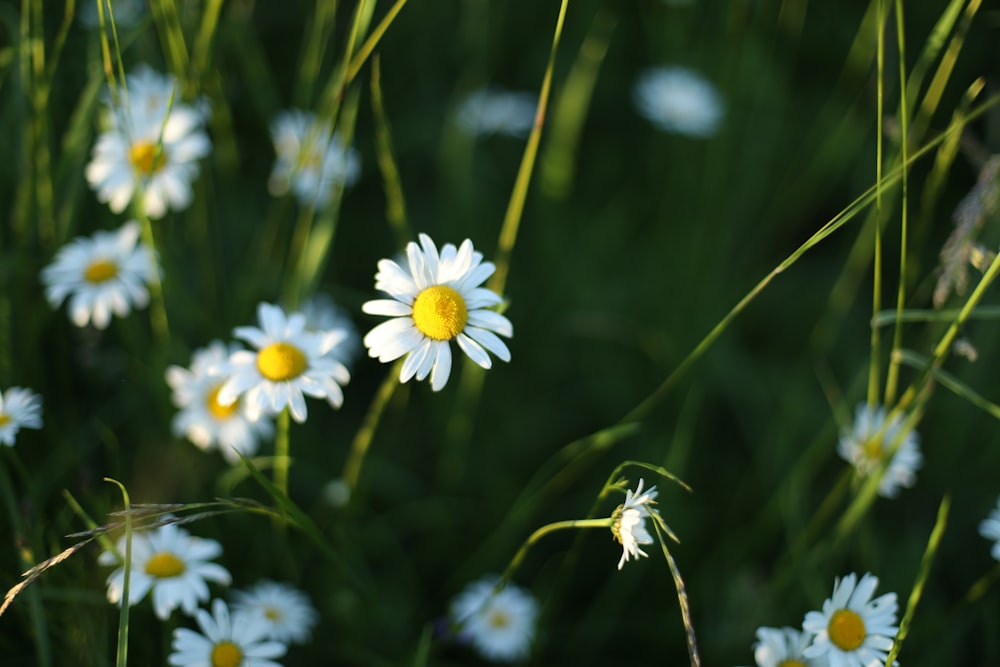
<point>281,448</point>
<point>158,309</point>
<point>515,562</point>
<point>875,339</point>
<point>122,655</point>
<point>363,438</point>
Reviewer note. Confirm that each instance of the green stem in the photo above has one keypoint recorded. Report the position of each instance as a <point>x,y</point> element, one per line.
<point>363,438</point>
<point>875,340</point>
<point>123,625</point>
<point>515,562</point>
<point>158,309</point>
<point>281,449</point>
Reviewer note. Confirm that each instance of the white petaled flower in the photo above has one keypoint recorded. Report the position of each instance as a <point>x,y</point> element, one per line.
<point>868,442</point>
<point>497,111</point>
<point>322,316</point>
<point>436,299</point>
<point>147,152</point>
<point>629,526</point>
<point>201,418</point>
<point>287,612</point>
<point>500,626</point>
<point>226,640</point>
<point>309,160</point>
<point>19,408</point>
<point>990,529</point>
<point>679,100</point>
<point>289,363</point>
<point>782,647</point>
<point>853,630</point>
<point>172,564</point>
<point>102,274</point>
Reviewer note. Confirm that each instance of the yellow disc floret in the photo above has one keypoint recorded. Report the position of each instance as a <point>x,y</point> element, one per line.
<point>439,312</point>
<point>100,270</point>
<point>847,629</point>
<point>272,614</point>
<point>164,564</point>
<point>498,619</point>
<point>279,362</point>
<point>873,448</point>
<point>218,410</point>
<point>226,654</point>
<point>144,159</point>
<point>4,418</point>
<point>791,662</point>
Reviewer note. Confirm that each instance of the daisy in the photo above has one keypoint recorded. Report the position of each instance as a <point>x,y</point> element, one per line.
<point>679,100</point>
<point>629,526</point>
<point>436,299</point>
<point>990,529</point>
<point>19,408</point>
<point>288,363</point>
<point>865,448</point>
<point>148,150</point>
<point>171,563</point>
<point>853,630</point>
<point>309,161</point>
<point>782,647</point>
<point>322,316</point>
<point>497,111</point>
<point>102,274</point>
<point>226,640</point>
<point>202,419</point>
<point>501,626</point>
<point>287,611</point>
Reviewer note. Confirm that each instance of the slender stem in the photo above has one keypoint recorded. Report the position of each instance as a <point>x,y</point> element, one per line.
<point>515,562</point>
<point>158,308</point>
<point>363,438</point>
<point>876,335</point>
<point>281,448</point>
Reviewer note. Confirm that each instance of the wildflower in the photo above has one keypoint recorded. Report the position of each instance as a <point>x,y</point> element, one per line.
<point>171,563</point>
<point>201,418</point>
<point>309,161</point>
<point>853,630</point>
<point>679,100</point>
<point>288,363</point>
<point>499,625</point>
<point>497,111</point>
<point>103,274</point>
<point>287,611</point>
<point>868,442</point>
<point>629,526</point>
<point>19,408</point>
<point>323,315</point>
<point>437,300</point>
<point>151,148</point>
<point>990,529</point>
<point>782,647</point>
<point>226,640</point>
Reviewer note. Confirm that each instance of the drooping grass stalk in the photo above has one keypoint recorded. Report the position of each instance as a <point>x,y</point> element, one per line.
<point>682,599</point>
<point>950,382</point>
<point>281,451</point>
<point>395,201</point>
<point>875,360</point>
<point>929,315</point>
<point>363,438</point>
<point>358,61</point>
<point>123,618</point>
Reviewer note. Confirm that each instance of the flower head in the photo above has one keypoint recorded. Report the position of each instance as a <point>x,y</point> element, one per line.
<point>436,300</point>
<point>497,111</point>
<point>500,625</point>
<point>679,100</point>
<point>19,408</point>
<point>868,443</point>
<point>629,526</point>
<point>201,418</point>
<point>171,563</point>
<point>102,274</point>
<point>288,364</point>
<point>226,640</point>
<point>782,647</point>
<point>287,612</point>
<point>853,630</point>
<point>990,529</point>
<point>309,160</point>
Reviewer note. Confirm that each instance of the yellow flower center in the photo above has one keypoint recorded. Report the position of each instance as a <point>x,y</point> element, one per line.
<point>164,565</point>
<point>218,410</point>
<point>100,270</point>
<point>498,619</point>
<point>791,662</point>
<point>439,312</point>
<point>226,654</point>
<point>4,418</point>
<point>272,614</point>
<point>847,629</point>
<point>873,449</point>
<point>144,159</point>
<point>281,361</point>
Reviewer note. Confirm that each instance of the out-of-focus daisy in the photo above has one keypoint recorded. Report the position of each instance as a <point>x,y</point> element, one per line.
<point>170,562</point>
<point>288,614</point>
<point>309,160</point>
<point>853,630</point>
<point>126,13</point>
<point>322,316</point>
<point>201,418</point>
<point>436,299</point>
<point>865,448</point>
<point>19,408</point>
<point>679,100</point>
<point>289,363</point>
<point>148,151</point>
<point>102,274</point>
<point>497,111</point>
<point>226,640</point>
<point>499,626</point>
<point>782,647</point>
<point>990,529</point>
<point>629,522</point>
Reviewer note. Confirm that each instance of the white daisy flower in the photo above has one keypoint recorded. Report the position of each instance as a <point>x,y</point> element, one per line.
<point>288,363</point>
<point>287,612</point>
<point>853,630</point>
<point>19,408</point>
<point>629,526</point>
<point>171,563</point>
<point>499,626</point>
<point>130,157</point>
<point>990,529</point>
<point>497,111</point>
<point>435,300</point>
<point>226,640</point>
<point>309,160</point>
<point>202,419</point>
<point>865,449</point>
<point>102,274</point>
<point>679,100</point>
<point>322,316</point>
<point>782,647</point>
